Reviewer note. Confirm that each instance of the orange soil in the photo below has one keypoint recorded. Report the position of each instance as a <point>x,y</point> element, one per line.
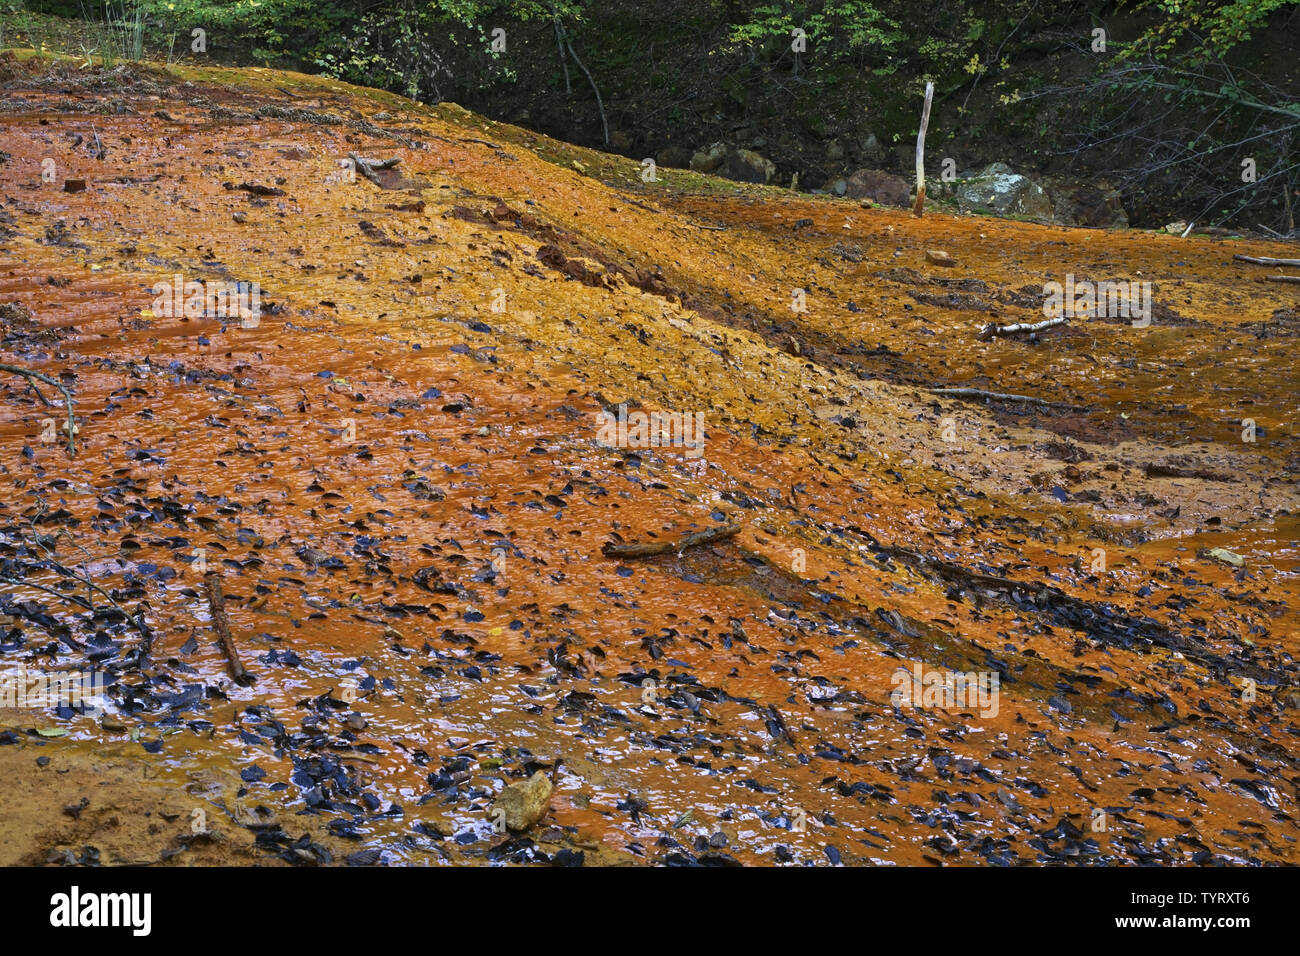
<point>822,440</point>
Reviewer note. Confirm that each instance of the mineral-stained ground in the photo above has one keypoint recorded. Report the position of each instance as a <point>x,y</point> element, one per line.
<point>399,474</point>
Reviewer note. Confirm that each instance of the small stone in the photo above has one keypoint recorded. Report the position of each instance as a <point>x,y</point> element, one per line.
<point>524,802</point>
<point>443,826</point>
<point>240,217</point>
<point>112,725</point>
<point>1176,228</point>
<point>939,257</point>
<point>1289,697</point>
<point>74,185</point>
<point>1227,557</point>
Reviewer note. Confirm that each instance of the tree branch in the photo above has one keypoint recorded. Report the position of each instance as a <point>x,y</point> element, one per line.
<point>71,427</point>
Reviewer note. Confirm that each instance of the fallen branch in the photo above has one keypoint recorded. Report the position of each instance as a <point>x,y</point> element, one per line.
<point>217,604</point>
<point>1281,278</point>
<point>1160,470</point>
<point>1266,261</point>
<point>367,167</point>
<point>32,378</point>
<point>83,578</point>
<point>998,396</point>
<point>993,329</point>
<point>647,549</point>
<point>954,572</point>
<point>146,638</point>
<point>72,642</point>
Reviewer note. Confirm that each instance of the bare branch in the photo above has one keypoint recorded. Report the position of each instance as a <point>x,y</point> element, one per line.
<point>31,377</point>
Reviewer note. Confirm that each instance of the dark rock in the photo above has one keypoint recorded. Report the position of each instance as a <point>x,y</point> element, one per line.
<point>676,157</point>
<point>878,186</point>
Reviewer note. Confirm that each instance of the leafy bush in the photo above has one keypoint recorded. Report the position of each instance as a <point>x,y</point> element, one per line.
<point>834,28</point>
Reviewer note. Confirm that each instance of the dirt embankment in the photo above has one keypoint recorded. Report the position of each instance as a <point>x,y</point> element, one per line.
<point>401,471</point>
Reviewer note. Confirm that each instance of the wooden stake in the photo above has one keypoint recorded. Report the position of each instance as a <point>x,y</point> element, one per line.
<point>920,152</point>
<point>217,604</point>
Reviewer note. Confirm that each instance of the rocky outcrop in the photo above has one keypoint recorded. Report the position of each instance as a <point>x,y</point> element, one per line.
<point>878,186</point>
<point>676,157</point>
<point>707,160</point>
<point>747,166</point>
<point>997,189</point>
<point>870,152</point>
<point>1077,203</point>
<point>742,165</point>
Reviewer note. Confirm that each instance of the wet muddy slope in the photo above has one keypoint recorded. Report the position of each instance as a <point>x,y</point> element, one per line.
<point>398,473</point>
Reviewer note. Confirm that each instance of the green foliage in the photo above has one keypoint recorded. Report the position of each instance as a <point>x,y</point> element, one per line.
<point>1200,30</point>
<point>124,23</point>
<point>834,28</point>
<point>390,48</point>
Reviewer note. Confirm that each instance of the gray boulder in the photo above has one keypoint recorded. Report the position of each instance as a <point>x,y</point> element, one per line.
<point>747,166</point>
<point>707,160</point>
<point>998,190</point>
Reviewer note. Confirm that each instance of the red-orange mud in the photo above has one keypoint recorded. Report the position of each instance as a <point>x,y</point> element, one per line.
<point>821,440</point>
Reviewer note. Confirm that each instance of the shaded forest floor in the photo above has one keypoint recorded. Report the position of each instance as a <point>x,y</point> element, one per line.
<point>397,472</point>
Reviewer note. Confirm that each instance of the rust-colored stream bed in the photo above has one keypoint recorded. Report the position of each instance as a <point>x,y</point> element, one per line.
<point>400,462</point>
